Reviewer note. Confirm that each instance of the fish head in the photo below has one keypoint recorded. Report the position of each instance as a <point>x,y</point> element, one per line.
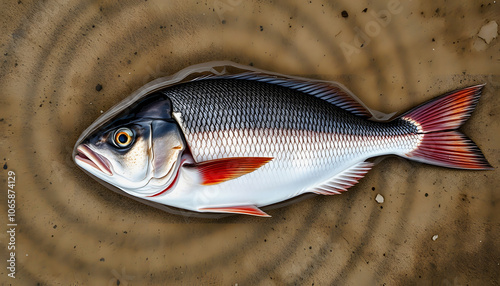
<point>138,150</point>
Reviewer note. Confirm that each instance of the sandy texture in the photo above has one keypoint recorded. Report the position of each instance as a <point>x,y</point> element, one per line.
<point>65,62</point>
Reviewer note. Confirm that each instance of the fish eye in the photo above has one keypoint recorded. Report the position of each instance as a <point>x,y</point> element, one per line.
<point>123,137</point>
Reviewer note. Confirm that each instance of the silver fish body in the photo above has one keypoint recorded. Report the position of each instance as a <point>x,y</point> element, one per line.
<point>308,138</point>
<point>236,143</point>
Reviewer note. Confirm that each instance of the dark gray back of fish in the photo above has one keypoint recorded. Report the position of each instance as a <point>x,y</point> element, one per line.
<point>223,104</point>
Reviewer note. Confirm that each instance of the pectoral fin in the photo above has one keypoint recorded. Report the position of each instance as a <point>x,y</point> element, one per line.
<point>220,170</point>
<point>248,210</point>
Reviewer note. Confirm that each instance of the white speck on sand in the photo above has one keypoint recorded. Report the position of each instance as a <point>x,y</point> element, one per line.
<point>434,237</point>
<point>379,198</point>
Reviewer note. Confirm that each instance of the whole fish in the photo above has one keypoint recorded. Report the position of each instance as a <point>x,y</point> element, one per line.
<point>212,142</point>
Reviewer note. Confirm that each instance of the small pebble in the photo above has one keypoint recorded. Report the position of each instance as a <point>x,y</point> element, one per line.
<point>379,198</point>
<point>488,32</point>
<point>435,237</point>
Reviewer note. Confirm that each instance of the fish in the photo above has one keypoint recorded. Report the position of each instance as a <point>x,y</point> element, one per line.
<point>226,139</point>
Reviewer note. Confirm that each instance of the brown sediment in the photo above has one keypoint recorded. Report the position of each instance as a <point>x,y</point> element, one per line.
<point>54,56</point>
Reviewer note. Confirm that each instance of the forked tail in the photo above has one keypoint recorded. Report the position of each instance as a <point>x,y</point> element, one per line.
<point>437,121</point>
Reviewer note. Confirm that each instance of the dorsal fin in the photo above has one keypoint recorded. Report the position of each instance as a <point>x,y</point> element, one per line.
<point>344,180</point>
<point>327,91</point>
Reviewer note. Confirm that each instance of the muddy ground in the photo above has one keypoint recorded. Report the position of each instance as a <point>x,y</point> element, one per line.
<point>63,63</point>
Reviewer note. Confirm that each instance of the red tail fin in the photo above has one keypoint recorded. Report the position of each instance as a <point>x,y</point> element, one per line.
<point>436,121</point>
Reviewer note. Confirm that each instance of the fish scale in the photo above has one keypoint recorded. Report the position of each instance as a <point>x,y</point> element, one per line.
<point>259,108</point>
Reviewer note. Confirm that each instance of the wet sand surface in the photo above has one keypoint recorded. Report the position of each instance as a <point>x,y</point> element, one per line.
<point>64,63</point>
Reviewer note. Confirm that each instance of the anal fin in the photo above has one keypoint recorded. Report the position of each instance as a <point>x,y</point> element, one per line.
<point>344,180</point>
<point>248,210</point>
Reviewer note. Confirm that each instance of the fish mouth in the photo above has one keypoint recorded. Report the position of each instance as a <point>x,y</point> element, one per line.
<point>89,157</point>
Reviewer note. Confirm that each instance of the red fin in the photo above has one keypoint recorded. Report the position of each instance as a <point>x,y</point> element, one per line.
<point>344,180</point>
<point>446,112</point>
<point>436,121</point>
<point>248,210</point>
<point>450,149</point>
<point>221,170</point>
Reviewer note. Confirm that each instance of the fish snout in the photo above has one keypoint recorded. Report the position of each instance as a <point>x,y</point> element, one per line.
<point>85,155</point>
